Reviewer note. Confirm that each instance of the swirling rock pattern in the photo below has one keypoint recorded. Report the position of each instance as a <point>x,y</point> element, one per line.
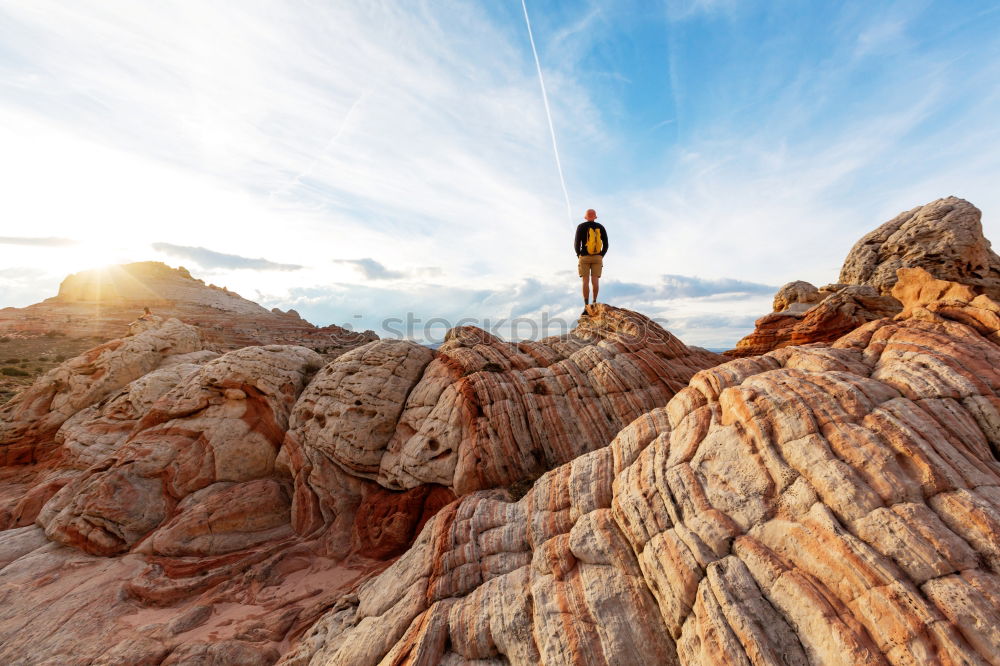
<point>29,422</point>
<point>225,422</point>
<point>488,413</point>
<point>821,505</point>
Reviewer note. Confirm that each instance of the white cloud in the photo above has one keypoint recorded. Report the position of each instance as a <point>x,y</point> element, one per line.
<point>413,135</point>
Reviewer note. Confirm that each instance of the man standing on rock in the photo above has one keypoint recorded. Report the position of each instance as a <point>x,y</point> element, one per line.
<point>590,244</point>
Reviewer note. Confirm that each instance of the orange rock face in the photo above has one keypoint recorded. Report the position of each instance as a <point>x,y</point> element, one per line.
<point>834,503</point>
<point>825,505</point>
<point>837,314</point>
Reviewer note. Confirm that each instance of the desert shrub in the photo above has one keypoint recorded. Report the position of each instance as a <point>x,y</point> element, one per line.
<point>5,338</point>
<point>53,334</point>
<point>12,360</point>
<point>13,372</point>
<point>60,358</point>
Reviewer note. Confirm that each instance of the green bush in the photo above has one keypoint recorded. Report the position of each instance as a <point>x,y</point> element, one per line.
<point>13,372</point>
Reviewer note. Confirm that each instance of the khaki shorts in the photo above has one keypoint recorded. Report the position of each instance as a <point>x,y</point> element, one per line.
<point>591,265</point>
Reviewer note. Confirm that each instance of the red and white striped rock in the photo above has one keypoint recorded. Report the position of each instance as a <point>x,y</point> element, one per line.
<point>225,422</point>
<point>29,422</point>
<point>96,432</point>
<point>821,505</point>
<point>488,413</point>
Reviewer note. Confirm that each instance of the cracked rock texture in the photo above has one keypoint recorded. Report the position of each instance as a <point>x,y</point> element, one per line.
<point>944,237</point>
<point>824,505</point>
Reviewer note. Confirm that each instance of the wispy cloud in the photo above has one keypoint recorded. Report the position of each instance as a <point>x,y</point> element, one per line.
<point>211,259</point>
<point>782,132</point>
<point>371,269</point>
<point>38,242</point>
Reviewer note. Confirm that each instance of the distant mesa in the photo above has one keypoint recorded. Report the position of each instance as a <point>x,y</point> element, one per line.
<point>102,302</point>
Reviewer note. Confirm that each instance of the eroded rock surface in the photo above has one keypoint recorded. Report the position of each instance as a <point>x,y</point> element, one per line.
<point>944,237</point>
<point>211,508</point>
<point>224,422</point>
<point>29,422</point>
<point>480,412</point>
<point>821,505</point>
<point>839,310</point>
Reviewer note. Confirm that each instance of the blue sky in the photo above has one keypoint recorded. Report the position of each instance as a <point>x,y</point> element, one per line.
<point>361,160</point>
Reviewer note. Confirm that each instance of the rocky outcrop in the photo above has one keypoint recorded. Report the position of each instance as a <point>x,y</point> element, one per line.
<point>606,496</point>
<point>838,310</point>
<point>213,507</point>
<point>29,422</point>
<point>824,505</point>
<point>796,296</point>
<point>482,412</point>
<point>223,424</point>
<point>944,237</point>
<point>102,302</point>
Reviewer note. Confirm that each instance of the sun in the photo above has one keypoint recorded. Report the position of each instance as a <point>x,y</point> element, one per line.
<point>96,256</point>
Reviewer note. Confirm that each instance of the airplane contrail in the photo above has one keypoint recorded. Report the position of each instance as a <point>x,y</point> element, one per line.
<point>548,112</point>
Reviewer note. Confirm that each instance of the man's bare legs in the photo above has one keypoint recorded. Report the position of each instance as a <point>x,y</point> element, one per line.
<point>594,281</point>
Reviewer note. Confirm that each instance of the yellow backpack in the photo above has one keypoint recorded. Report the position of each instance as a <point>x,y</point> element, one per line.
<point>594,242</point>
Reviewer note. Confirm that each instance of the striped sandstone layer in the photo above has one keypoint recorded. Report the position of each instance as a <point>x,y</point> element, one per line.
<point>167,504</point>
<point>823,505</point>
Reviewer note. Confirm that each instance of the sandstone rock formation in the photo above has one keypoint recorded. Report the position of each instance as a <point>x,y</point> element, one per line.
<point>102,302</point>
<point>822,505</point>
<point>29,421</point>
<point>213,507</point>
<point>837,309</point>
<point>944,237</point>
<point>833,503</point>
<point>483,413</point>
<point>223,424</point>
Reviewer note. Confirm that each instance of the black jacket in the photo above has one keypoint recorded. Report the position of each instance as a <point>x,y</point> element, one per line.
<point>580,242</point>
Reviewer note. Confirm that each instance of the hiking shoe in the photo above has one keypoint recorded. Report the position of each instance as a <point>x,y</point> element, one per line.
<point>584,313</point>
